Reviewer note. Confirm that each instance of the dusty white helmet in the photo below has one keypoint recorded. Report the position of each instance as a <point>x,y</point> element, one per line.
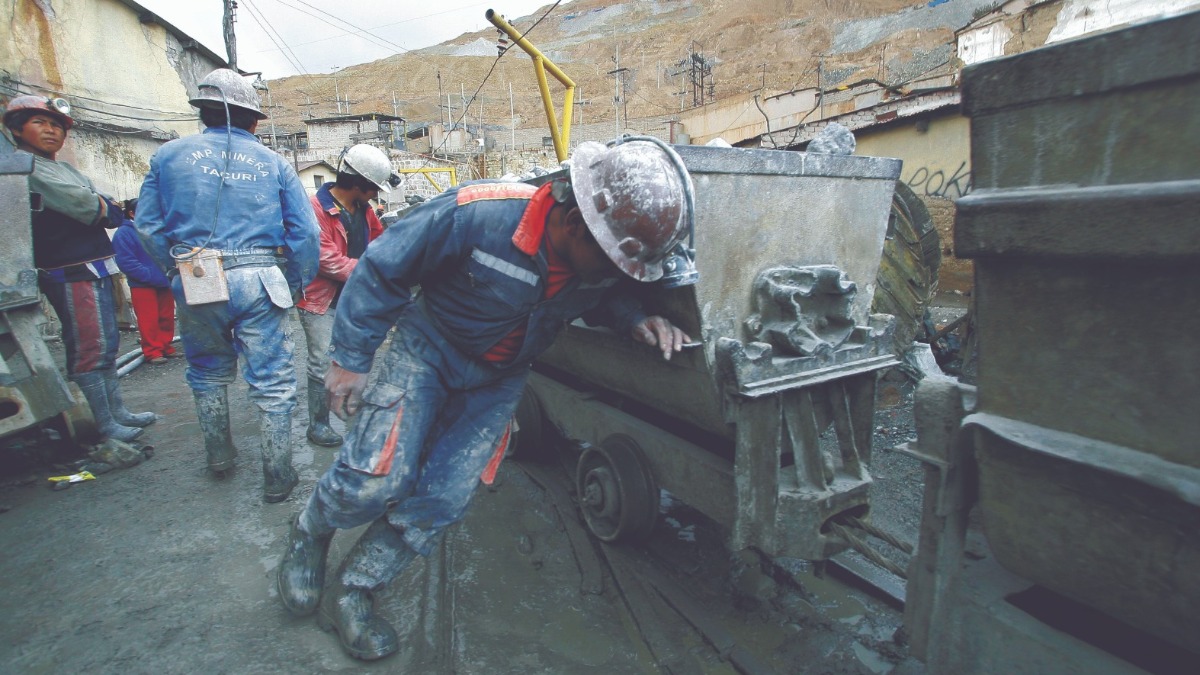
<point>633,194</point>
<point>369,162</point>
<point>223,86</point>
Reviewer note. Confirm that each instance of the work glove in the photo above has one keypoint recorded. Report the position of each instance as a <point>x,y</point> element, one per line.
<point>658,332</point>
<point>344,389</point>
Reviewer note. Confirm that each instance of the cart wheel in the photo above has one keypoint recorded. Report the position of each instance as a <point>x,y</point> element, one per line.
<point>78,420</point>
<point>533,440</point>
<point>617,490</point>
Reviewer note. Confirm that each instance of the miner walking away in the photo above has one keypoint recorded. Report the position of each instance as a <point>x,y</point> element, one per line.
<point>235,221</point>
<point>75,260</point>
<point>348,224</point>
<point>502,267</point>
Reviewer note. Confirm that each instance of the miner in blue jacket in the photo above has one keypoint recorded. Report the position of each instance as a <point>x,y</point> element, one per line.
<point>502,267</point>
<point>222,191</point>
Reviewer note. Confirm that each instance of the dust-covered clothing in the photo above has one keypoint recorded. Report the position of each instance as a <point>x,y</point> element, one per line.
<point>263,223</point>
<point>263,204</point>
<point>437,418</point>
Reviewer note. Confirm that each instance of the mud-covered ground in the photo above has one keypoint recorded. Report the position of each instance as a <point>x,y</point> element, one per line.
<point>160,568</point>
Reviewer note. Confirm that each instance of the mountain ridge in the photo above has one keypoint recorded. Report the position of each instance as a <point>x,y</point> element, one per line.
<point>768,46</point>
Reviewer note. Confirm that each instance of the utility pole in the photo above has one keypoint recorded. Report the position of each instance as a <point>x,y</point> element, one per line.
<point>395,105</point>
<point>271,106</point>
<point>337,95</point>
<point>439,78</point>
<point>230,39</point>
<point>618,74</point>
<point>308,105</point>
<point>512,118</point>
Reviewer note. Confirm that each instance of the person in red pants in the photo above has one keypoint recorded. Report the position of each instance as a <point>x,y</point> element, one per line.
<point>149,289</point>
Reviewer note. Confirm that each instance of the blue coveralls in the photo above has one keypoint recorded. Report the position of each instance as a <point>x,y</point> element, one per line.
<point>438,412</point>
<point>264,217</point>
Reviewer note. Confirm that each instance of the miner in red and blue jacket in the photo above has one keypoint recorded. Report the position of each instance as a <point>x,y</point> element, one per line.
<point>502,267</point>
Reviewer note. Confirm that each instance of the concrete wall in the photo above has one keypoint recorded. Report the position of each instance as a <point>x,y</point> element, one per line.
<point>741,117</point>
<point>937,166</point>
<point>309,177</point>
<point>128,81</point>
<point>533,139</point>
<point>332,137</point>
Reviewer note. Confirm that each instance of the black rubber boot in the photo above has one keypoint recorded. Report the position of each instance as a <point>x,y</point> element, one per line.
<point>278,475</point>
<point>348,609</point>
<point>319,431</point>
<point>116,406</point>
<point>95,390</point>
<point>301,576</point>
<point>212,410</point>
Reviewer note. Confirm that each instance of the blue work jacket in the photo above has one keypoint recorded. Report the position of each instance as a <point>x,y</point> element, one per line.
<point>263,204</point>
<point>482,275</point>
<point>140,271</point>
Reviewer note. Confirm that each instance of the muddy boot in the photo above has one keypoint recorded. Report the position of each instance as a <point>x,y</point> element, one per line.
<point>301,575</point>
<point>95,390</point>
<point>116,406</point>
<point>349,607</point>
<point>212,409</point>
<point>278,476</point>
<point>319,431</point>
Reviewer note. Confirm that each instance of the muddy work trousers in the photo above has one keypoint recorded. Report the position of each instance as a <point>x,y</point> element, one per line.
<point>252,324</point>
<point>418,447</point>
<point>318,328</point>
<point>89,323</point>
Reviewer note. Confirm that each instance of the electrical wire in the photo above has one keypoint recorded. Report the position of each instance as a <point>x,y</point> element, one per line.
<point>366,34</point>
<point>386,25</point>
<point>185,117</point>
<point>264,24</point>
<point>467,105</point>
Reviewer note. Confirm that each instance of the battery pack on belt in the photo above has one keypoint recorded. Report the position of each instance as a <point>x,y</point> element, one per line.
<point>203,278</point>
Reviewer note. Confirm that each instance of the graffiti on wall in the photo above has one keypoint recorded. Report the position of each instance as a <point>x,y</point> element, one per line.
<point>935,183</point>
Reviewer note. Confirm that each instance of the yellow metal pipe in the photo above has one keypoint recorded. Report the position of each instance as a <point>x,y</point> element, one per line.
<point>499,22</point>
<point>541,64</point>
<point>431,170</point>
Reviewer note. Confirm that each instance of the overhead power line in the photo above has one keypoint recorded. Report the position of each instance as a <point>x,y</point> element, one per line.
<point>467,105</point>
<point>283,47</point>
<point>366,34</point>
<point>386,25</point>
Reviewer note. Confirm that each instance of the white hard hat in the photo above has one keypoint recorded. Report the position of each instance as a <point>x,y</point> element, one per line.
<point>369,162</point>
<point>223,86</point>
<point>633,195</point>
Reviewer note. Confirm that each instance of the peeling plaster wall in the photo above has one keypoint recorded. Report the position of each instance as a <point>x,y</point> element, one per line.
<point>127,81</point>
<point>1021,25</point>
<point>1080,17</point>
<point>983,43</point>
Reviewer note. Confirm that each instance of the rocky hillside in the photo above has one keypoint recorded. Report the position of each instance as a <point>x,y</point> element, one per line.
<point>751,45</point>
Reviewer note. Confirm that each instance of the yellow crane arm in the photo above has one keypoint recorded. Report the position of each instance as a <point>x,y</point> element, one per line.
<point>560,135</point>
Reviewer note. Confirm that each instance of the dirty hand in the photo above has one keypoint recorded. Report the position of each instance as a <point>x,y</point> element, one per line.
<point>344,389</point>
<point>657,331</point>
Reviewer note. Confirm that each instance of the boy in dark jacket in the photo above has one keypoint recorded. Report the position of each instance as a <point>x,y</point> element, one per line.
<point>149,289</point>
